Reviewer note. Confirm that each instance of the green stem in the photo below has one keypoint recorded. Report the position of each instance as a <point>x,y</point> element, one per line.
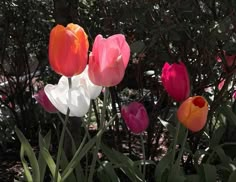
<point>61,141</point>
<point>69,133</point>
<point>98,142</point>
<point>86,127</point>
<point>182,148</point>
<point>77,157</point>
<point>144,156</point>
<point>175,142</point>
<point>105,99</point>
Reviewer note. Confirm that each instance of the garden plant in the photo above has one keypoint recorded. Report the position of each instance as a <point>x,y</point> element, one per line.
<point>127,91</point>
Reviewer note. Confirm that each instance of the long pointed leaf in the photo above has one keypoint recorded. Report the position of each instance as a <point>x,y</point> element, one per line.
<point>27,149</point>
<point>43,142</point>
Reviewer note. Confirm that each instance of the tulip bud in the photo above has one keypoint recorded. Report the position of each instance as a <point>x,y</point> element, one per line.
<point>43,100</point>
<point>135,117</point>
<point>68,49</point>
<point>175,80</point>
<point>192,113</point>
<point>108,60</point>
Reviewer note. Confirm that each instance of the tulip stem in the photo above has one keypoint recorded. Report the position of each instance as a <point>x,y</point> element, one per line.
<point>175,142</point>
<point>144,156</point>
<point>182,147</point>
<point>61,141</point>
<point>98,142</point>
<point>105,99</point>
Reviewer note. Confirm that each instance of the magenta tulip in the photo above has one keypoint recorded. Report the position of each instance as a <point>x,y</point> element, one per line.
<point>43,100</point>
<point>108,60</point>
<point>175,80</point>
<point>135,117</point>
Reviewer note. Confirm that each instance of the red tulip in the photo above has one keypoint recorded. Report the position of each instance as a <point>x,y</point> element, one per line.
<point>43,100</point>
<point>192,113</point>
<point>108,60</point>
<point>68,49</point>
<point>175,80</point>
<point>135,117</point>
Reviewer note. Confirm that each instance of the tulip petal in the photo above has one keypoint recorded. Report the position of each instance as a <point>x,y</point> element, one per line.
<point>108,60</point>
<point>78,102</point>
<point>83,79</point>
<point>192,113</point>
<point>57,96</point>
<point>68,49</point>
<point>135,117</point>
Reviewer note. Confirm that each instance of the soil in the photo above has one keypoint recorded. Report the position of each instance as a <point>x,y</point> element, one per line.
<point>10,166</point>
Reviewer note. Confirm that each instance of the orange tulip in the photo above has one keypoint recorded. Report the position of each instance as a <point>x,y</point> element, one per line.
<point>68,49</point>
<point>192,113</point>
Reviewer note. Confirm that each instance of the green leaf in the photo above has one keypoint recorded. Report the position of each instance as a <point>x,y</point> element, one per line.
<point>27,149</point>
<point>209,172</point>
<point>215,140</point>
<point>123,162</point>
<point>228,113</point>
<point>27,173</point>
<point>232,177</point>
<point>141,162</point>
<point>80,153</point>
<point>43,142</point>
<point>63,163</point>
<point>221,153</point>
<point>163,166</point>
<point>176,173</point>
<point>107,173</point>
<point>50,162</point>
<point>193,178</point>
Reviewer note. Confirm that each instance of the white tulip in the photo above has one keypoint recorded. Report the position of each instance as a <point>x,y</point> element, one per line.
<point>77,98</point>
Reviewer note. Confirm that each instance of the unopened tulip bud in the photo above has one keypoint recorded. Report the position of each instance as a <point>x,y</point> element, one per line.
<point>175,80</point>
<point>135,117</point>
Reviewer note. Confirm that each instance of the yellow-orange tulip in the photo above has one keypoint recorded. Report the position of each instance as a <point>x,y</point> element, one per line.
<point>192,113</point>
<point>68,49</point>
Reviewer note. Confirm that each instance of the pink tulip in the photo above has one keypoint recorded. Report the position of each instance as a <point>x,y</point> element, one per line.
<point>108,60</point>
<point>175,80</point>
<point>43,100</point>
<point>135,117</point>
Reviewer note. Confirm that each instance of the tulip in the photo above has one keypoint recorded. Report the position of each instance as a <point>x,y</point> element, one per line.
<point>43,100</point>
<point>175,80</point>
<point>77,98</point>
<point>135,117</point>
<point>68,49</point>
<point>192,113</point>
<point>108,60</point>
